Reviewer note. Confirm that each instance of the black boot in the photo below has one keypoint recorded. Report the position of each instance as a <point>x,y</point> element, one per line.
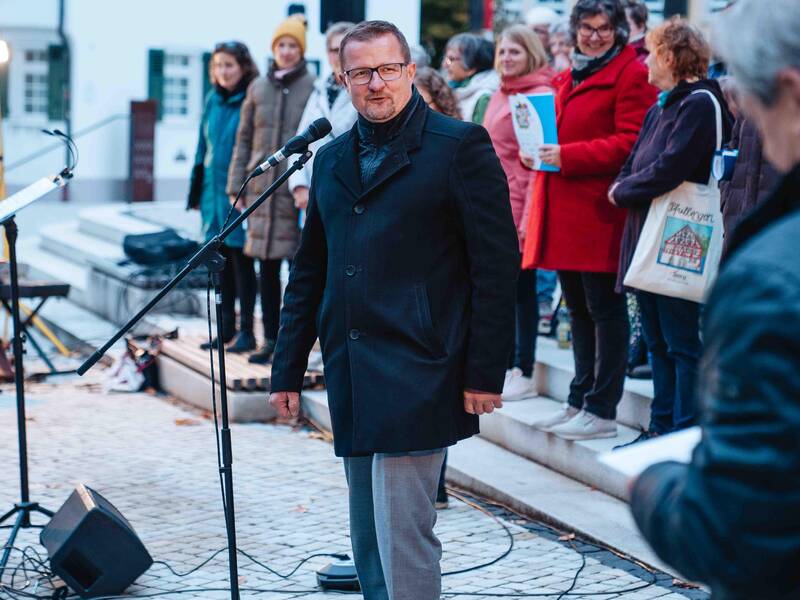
<point>264,354</point>
<point>213,343</point>
<point>243,342</point>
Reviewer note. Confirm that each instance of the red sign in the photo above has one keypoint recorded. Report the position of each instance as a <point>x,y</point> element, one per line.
<point>142,150</point>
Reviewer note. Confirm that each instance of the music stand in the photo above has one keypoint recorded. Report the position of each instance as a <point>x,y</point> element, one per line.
<point>8,210</point>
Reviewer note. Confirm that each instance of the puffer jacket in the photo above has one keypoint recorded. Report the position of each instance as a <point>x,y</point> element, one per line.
<point>477,89</point>
<point>752,180</point>
<point>270,114</point>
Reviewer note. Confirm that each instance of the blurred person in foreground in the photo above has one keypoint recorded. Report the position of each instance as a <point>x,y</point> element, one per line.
<point>676,145</point>
<point>730,517</point>
<point>523,67</point>
<point>407,269</point>
<point>600,106</point>
<point>270,114</point>
<point>469,64</point>
<point>328,100</point>
<point>231,70</point>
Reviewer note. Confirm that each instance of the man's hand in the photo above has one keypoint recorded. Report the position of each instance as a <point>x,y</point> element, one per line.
<point>479,403</point>
<point>286,403</point>
<point>300,194</point>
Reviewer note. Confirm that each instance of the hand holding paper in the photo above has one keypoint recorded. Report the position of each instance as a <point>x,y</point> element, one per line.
<point>534,120</point>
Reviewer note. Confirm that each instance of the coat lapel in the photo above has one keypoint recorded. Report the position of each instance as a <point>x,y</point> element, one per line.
<point>346,168</point>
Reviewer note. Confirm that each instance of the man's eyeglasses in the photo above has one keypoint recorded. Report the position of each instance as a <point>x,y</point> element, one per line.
<point>449,60</point>
<point>387,72</point>
<point>604,32</point>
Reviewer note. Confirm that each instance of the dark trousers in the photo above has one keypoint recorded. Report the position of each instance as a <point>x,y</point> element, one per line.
<point>270,291</point>
<point>527,322</point>
<point>238,281</point>
<point>599,320</point>
<point>671,330</point>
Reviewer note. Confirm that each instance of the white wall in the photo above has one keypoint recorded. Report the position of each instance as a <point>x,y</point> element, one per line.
<point>109,42</point>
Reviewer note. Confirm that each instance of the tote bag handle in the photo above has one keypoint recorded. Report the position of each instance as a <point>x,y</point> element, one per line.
<point>718,114</point>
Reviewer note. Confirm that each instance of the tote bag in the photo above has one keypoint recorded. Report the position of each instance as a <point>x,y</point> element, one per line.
<point>681,242</point>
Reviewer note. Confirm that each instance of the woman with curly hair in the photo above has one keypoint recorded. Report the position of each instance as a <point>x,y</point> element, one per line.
<point>437,94</point>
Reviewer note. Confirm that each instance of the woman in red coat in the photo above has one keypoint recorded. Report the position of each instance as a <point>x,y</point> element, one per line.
<point>573,229</point>
<point>522,63</point>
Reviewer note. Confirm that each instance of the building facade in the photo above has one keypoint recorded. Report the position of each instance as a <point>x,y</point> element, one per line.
<point>124,51</point>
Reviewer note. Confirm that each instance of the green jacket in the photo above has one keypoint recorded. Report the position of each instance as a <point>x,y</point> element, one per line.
<point>214,149</point>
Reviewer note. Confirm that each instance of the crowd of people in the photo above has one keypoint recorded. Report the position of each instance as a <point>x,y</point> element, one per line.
<point>630,128</point>
<point>436,175</point>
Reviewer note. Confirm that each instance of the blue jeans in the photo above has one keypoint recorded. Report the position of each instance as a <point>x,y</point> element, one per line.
<point>671,330</point>
<point>527,323</point>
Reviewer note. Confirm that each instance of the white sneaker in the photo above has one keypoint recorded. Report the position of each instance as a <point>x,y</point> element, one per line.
<point>564,414</point>
<point>586,426</point>
<point>517,386</point>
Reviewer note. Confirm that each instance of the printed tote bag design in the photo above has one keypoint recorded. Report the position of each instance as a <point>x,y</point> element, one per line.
<point>679,250</point>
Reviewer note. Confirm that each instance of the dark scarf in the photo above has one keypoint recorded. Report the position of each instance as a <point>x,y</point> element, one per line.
<point>332,89</point>
<point>376,140</point>
<point>240,87</point>
<point>584,66</point>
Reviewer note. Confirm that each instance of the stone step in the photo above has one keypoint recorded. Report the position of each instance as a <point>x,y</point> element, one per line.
<point>511,428</point>
<point>44,264</point>
<point>531,488</point>
<point>112,223</point>
<point>555,369</point>
<point>72,244</point>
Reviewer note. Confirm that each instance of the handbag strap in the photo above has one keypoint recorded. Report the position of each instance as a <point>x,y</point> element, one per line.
<point>718,114</point>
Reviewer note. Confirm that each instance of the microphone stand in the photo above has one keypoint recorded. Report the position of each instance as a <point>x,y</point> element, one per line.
<point>210,256</point>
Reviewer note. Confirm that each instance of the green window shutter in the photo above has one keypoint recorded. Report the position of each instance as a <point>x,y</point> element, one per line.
<point>56,82</point>
<point>206,76</point>
<point>4,89</point>
<point>155,78</point>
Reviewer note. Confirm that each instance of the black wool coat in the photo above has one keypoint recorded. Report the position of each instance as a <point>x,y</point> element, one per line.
<point>409,283</point>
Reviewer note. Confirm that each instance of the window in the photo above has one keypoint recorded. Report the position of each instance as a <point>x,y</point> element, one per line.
<point>34,68</point>
<point>175,81</point>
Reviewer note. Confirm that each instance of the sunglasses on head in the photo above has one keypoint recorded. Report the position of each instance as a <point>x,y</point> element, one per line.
<point>223,46</point>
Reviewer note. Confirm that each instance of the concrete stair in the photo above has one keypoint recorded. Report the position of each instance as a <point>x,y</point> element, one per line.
<point>87,253</point>
<point>556,481</point>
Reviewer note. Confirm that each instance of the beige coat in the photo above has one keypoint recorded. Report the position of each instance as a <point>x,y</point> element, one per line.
<point>270,114</point>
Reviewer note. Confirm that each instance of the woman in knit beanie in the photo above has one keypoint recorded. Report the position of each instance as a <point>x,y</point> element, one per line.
<point>270,114</point>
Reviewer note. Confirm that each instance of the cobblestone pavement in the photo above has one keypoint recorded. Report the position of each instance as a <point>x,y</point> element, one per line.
<point>155,461</point>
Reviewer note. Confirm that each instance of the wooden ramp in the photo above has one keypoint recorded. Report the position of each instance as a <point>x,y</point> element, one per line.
<point>185,372</point>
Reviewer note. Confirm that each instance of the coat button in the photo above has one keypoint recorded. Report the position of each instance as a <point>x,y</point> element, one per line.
<point>355,334</point>
<point>350,270</point>
<point>358,209</point>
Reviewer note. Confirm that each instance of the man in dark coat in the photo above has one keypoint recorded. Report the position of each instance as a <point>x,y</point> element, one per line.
<point>730,518</point>
<point>407,271</point>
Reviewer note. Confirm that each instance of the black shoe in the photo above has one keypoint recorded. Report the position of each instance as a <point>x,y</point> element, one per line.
<point>441,499</point>
<point>244,341</point>
<point>642,437</point>
<point>264,354</point>
<point>213,343</point>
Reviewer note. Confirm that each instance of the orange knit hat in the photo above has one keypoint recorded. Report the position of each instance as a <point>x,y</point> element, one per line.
<point>294,26</point>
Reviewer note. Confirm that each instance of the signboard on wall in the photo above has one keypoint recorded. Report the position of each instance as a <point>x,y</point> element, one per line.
<point>141,150</point>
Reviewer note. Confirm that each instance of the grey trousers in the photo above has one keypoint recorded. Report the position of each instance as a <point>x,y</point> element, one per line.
<point>392,515</point>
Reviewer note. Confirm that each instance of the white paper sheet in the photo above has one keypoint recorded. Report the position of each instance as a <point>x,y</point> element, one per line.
<point>26,196</point>
<point>631,461</point>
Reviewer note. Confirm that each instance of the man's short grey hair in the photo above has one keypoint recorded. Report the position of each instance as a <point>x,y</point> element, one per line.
<point>338,28</point>
<point>757,40</point>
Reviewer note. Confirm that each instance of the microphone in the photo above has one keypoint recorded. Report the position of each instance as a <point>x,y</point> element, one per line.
<point>299,143</point>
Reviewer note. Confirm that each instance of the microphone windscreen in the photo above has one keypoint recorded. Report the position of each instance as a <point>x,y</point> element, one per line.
<point>319,128</point>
